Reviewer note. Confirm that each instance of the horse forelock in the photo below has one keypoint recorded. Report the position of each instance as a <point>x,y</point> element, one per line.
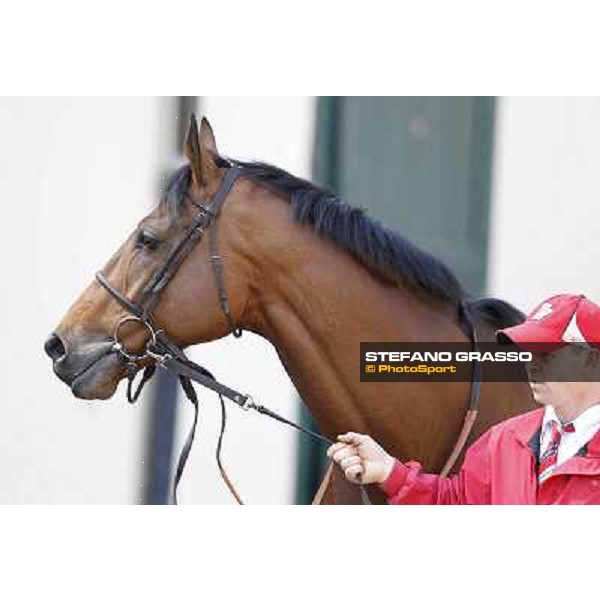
<point>176,190</point>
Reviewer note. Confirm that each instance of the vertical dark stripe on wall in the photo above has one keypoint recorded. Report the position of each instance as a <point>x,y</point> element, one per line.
<point>311,456</point>
<point>160,436</point>
<point>186,106</point>
<point>480,181</point>
<point>325,162</point>
<point>157,480</point>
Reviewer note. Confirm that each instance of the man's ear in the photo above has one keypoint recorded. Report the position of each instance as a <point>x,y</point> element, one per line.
<point>201,151</point>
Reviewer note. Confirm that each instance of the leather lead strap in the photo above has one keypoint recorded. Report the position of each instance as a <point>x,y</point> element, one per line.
<point>189,371</point>
<point>474,395</point>
<point>190,393</point>
<point>222,470</point>
<point>318,499</point>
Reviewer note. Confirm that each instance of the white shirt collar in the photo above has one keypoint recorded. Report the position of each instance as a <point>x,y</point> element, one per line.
<point>590,417</point>
<point>586,425</point>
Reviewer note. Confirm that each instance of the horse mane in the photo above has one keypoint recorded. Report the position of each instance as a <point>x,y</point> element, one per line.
<point>381,250</point>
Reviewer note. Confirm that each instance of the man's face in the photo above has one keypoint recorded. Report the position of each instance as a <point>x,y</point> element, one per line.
<point>564,373</point>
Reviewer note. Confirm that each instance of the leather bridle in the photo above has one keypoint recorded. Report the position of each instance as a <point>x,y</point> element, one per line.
<point>150,295</point>
<point>162,351</point>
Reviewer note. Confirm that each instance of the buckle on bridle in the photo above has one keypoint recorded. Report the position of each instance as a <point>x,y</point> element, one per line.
<point>159,359</point>
<point>247,402</point>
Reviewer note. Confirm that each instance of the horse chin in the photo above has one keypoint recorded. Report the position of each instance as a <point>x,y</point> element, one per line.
<point>100,381</point>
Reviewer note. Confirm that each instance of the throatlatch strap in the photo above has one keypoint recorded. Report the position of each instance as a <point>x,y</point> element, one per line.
<point>217,264</point>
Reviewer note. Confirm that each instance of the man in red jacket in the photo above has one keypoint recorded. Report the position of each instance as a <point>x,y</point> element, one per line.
<point>547,456</point>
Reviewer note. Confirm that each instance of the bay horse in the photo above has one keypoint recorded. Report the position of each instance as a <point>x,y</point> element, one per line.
<point>315,277</point>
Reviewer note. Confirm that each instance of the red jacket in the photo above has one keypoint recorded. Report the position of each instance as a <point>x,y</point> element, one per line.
<point>501,468</point>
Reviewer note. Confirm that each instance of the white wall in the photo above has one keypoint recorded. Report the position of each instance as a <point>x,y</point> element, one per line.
<point>259,454</point>
<point>75,176</point>
<point>546,199</point>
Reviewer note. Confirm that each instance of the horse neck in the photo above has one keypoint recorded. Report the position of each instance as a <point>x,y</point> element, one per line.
<point>316,304</point>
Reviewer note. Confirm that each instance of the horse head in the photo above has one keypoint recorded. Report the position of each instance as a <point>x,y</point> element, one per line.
<point>189,308</point>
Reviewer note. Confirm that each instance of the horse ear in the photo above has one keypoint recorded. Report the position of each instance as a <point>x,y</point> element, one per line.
<point>201,151</point>
<point>207,138</point>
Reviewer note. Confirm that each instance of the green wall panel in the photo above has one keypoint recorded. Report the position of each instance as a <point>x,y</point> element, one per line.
<point>422,166</point>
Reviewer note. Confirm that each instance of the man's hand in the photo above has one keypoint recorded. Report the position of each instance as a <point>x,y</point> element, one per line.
<point>361,458</point>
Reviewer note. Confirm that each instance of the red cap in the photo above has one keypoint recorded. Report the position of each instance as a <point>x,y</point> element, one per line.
<point>558,321</point>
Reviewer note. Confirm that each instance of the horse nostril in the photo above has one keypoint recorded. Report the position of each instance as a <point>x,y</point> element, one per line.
<point>54,347</point>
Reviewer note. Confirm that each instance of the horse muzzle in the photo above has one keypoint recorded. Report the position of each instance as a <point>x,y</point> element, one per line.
<point>90,368</point>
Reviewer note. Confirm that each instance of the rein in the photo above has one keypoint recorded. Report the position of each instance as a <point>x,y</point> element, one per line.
<point>161,351</point>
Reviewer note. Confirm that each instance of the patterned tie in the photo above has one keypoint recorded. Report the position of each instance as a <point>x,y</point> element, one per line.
<point>548,460</point>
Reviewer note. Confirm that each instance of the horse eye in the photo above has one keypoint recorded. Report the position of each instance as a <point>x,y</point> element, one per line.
<point>147,240</point>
